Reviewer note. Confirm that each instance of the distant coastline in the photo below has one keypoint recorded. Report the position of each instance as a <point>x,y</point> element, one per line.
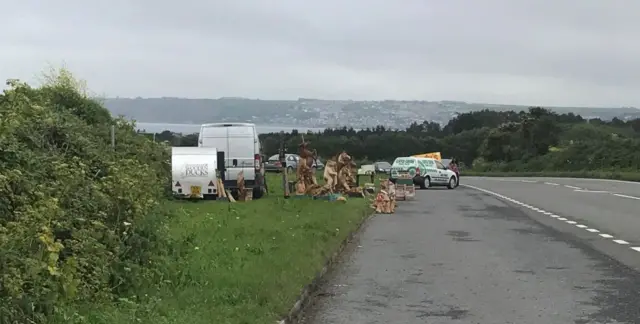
<point>194,128</point>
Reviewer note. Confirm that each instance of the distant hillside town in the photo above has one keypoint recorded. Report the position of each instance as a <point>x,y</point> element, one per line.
<point>316,113</point>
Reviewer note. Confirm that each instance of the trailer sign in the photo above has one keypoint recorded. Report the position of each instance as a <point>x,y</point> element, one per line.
<point>196,170</point>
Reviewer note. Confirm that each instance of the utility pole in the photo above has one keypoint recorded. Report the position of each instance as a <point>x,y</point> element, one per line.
<point>283,164</point>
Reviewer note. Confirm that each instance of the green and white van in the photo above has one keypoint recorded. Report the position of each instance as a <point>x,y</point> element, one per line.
<point>426,172</point>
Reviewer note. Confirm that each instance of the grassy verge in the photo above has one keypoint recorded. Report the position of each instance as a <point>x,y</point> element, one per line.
<point>627,176</point>
<point>241,262</point>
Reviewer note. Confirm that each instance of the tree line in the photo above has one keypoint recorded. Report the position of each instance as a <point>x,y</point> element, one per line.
<point>534,140</point>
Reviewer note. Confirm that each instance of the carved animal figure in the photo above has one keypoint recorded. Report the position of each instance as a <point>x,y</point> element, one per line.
<point>330,174</point>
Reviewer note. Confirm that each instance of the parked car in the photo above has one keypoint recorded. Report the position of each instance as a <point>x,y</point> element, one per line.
<point>273,163</point>
<point>382,167</point>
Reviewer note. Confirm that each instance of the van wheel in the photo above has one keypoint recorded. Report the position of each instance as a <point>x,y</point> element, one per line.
<point>426,183</point>
<point>452,183</point>
<point>258,192</point>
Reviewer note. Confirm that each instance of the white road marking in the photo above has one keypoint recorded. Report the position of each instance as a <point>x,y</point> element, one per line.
<point>551,184</point>
<point>528,181</point>
<point>592,230</point>
<point>625,196</point>
<point>563,178</point>
<point>593,191</point>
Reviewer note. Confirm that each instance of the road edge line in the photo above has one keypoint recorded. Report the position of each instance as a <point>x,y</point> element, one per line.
<point>610,238</point>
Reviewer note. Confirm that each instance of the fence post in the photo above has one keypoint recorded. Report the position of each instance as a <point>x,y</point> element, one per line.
<point>113,136</point>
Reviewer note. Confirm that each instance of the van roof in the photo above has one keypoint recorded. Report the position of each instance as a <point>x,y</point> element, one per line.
<point>415,157</point>
<point>228,125</point>
<point>405,157</point>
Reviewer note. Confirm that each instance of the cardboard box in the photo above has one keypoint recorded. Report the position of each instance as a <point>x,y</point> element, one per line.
<point>401,192</point>
<point>410,192</point>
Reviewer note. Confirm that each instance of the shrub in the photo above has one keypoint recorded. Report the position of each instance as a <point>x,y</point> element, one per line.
<point>79,219</point>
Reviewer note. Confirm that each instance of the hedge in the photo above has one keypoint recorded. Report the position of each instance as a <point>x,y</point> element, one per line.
<point>79,219</point>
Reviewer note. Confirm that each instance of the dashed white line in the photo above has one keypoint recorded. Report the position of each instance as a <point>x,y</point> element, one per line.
<point>626,196</point>
<point>551,184</point>
<point>528,181</point>
<point>592,230</point>
<point>592,191</point>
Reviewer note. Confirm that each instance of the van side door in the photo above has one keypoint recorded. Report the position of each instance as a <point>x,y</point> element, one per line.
<point>443,175</point>
<point>429,169</point>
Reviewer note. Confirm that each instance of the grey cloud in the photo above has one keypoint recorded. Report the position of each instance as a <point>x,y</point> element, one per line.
<point>563,52</point>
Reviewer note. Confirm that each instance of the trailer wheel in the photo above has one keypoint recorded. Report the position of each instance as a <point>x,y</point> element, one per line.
<point>258,192</point>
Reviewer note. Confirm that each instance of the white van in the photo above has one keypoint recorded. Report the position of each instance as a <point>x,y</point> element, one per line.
<point>242,151</point>
<point>426,172</point>
<point>193,172</point>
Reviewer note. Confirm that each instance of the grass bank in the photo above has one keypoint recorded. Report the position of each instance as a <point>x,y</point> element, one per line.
<point>238,263</point>
<point>615,175</point>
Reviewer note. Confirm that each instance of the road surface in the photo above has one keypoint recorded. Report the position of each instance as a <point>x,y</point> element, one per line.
<point>511,252</point>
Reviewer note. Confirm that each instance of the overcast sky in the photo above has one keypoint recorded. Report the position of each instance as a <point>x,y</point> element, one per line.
<point>542,52</point>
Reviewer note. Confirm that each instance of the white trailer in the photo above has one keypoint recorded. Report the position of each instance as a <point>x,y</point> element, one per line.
<point>193,172</point>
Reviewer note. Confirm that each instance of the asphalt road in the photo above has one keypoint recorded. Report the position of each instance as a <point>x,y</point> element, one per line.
<point>471,256</point>
<point>610,207</point>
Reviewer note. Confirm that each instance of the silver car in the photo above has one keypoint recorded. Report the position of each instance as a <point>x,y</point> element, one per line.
<point>273,163</point>
<point>382,167</point>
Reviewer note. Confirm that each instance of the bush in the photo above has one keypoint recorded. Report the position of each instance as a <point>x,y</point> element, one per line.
<point>79,219</point>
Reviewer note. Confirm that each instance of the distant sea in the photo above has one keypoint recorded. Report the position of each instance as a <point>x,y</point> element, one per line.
<point>194,128</point>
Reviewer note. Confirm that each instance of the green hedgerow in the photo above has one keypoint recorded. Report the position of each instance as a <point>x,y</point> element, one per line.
<point>79,219</point>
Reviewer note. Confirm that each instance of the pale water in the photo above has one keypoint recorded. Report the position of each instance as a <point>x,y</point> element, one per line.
<point>194,128</point>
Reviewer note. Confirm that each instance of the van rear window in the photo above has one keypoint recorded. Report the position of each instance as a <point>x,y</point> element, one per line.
<point>213,132</point>
<point>240,131</point>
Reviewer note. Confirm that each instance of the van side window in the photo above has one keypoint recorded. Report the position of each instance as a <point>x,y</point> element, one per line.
<point>439,165</point>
